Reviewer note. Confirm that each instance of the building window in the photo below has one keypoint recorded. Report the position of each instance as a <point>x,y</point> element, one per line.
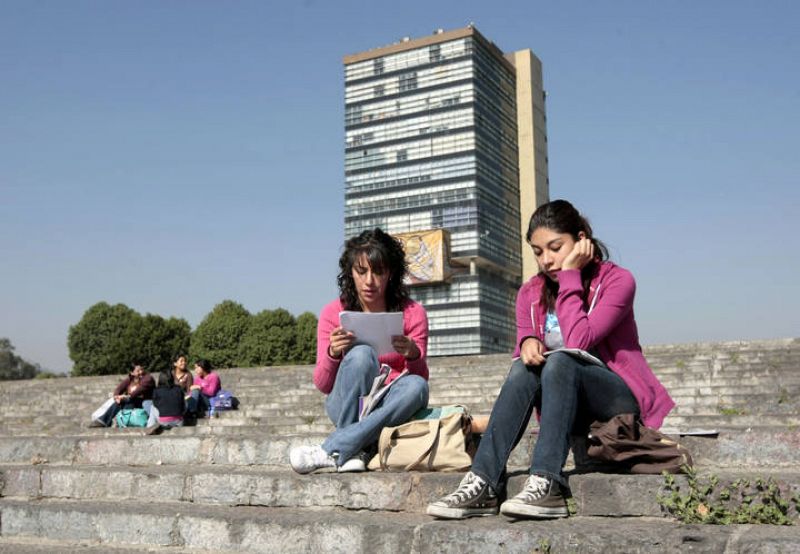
<point>353,114</point>
<point>408,81</point>
<point>377,66</point>
<point>435,52</point>
<point>402,155</point>
<point>379,91</point>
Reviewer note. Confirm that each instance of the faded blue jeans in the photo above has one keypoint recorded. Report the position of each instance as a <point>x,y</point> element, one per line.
<point>354,379</point>
<point>569,393</point>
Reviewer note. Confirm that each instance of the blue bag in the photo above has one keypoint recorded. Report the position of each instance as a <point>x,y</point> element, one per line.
<point>132,417</point>
<point>223,400</point>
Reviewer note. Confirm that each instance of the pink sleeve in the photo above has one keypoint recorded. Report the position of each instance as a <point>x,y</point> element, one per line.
<point>327,367</point>
<point>524,317</point>
<point>211,384</point>
<point>580,329</point>
<point>416,323</point>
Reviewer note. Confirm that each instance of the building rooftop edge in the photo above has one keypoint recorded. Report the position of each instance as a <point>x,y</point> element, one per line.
<point>437,37</point>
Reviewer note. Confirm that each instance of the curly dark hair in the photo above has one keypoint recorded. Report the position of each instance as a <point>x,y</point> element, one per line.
<point>562,217</point>
<point>384,253</point>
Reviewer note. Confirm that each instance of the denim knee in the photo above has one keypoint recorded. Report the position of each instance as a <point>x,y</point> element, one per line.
<point>560,368</point>
<point>415,389</point>
<point>361,358</point>
<point>520,375</point>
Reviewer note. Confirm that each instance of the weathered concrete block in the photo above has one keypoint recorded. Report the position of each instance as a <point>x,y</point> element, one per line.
<point>616,495</point>
<point>24,481</point>
<point>325,536</point>
<point>24,450</point>
<point>206,533</point>
<point>134,528</point>
<point>139,451</point>
<point>97,483</point>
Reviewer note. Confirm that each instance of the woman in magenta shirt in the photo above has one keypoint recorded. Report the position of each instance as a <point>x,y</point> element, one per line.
<point>577,301</point>
<point>205,385</point>
<point>372,268</point>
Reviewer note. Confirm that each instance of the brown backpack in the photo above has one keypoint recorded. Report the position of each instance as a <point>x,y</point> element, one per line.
<point>625,440</point>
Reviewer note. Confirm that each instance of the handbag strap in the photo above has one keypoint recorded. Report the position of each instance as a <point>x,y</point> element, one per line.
<point>386,438</point>
<point>433,432</point>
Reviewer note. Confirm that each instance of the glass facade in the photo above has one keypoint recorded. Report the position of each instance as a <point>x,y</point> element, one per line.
<point>431,143</point>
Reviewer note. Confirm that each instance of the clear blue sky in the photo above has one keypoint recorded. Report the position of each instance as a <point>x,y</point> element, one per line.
<point>169,155</point>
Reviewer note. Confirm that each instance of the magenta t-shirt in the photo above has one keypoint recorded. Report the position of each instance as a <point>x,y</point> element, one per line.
<point>209,385</point>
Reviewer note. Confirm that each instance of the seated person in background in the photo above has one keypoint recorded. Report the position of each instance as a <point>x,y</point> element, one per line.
<point>182,376</point>
<point>206,385</point>
<point>168,404</point>
<point>371,271</point>
<point>135,391</point>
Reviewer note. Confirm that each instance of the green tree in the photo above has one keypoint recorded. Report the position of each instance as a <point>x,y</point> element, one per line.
<point>163,340</point>
<point>13,366</point>
<point>106,340</point>
<point>218,336</point>
<point>269,339</point>
<point>305,348</point>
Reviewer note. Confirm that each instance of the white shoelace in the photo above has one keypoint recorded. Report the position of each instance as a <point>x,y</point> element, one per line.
<point>470,486</point>
<point>535,488</point>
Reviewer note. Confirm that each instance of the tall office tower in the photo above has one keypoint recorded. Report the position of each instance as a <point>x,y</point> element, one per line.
<point>446,148</point>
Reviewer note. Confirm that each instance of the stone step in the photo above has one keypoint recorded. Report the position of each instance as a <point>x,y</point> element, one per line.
<point>776,388</point>
<point>782,398</point>
<point>287,378</point>
<point>742,408</point>
<point>760,447</point>
<point>717,417</point>
<point>270,530</point>
<point>595,494</point>
<point>38,545</point>
<point>488,379</point>
<point>777,420</point>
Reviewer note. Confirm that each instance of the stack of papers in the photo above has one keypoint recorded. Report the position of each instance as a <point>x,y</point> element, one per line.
<point>373,329</point>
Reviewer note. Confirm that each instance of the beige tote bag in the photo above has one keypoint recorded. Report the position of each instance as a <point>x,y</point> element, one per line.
<point>424,445</point>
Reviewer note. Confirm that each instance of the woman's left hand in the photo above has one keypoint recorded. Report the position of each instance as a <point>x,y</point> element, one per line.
<point>405,346</point>
<point>582,253</point>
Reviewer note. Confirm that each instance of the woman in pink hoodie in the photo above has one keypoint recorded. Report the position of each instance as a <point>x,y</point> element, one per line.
<point>577,301</point>
<point>371,271</point>
<point>205,385</point>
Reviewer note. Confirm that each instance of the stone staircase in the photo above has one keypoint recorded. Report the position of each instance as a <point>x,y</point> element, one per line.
<point>225,485</point>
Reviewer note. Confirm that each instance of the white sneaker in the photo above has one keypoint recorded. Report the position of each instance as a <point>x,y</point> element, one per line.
<point>305,459</point>
<point>353,465</point>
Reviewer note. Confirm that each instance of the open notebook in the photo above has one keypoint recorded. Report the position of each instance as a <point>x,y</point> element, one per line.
<point>379,389</point>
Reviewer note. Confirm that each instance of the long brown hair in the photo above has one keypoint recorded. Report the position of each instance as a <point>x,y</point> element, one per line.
<point>384,253</point>
<point>562,217</point>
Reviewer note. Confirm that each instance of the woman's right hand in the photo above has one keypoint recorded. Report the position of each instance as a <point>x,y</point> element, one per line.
<point>532,351</point>
<point>340,341</point>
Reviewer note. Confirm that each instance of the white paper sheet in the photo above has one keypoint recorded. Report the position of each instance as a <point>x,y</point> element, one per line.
<point>374,329</point>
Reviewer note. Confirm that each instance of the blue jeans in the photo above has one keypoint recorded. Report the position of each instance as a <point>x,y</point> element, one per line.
<point>197,403</point>
<point>569,393</point>
<point>354,379</point>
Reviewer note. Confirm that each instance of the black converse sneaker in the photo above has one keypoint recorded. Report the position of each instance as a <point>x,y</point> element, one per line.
<point>541,498</point>
<point>473,497</point>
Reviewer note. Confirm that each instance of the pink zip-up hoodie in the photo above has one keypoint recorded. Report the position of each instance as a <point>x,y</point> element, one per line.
<point>415,327</point>
<point>607,328</point>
